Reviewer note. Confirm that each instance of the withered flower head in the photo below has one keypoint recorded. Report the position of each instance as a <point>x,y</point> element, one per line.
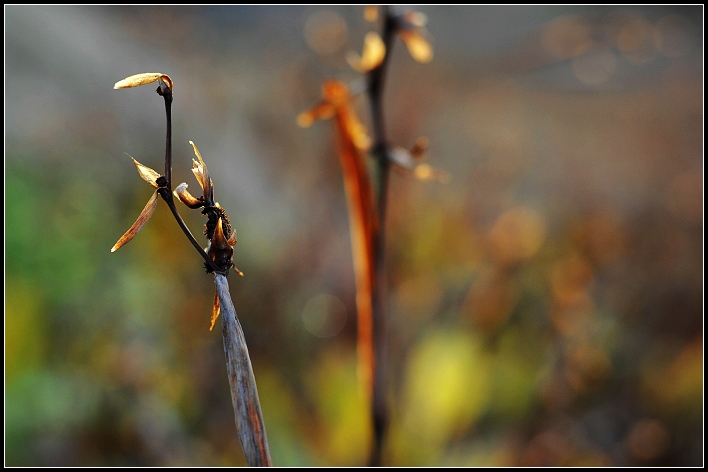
<point>202,174</point>
<point>218,230</point>
<point>218,227</point>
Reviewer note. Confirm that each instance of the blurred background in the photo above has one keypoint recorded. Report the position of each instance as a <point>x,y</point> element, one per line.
<point>545,306</point>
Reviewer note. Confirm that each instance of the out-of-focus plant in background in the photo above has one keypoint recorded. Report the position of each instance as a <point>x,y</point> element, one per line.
<point>551,293</point>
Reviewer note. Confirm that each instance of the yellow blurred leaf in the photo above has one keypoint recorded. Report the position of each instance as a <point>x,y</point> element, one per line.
<point>419,47</point>
<point>372,55</point>
<point>448,386</point>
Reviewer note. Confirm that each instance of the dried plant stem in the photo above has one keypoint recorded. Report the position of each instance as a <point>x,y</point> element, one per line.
<point>244,394</point>
<point>379,406</point>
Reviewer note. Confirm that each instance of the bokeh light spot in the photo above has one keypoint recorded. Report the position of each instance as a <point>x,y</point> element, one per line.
<point>325,32</point>
<point>324,315</point>
<point>517,234</point>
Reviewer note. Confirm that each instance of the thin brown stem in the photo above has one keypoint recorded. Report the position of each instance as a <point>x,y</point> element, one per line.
<point>166,192</point>
<point>167,95</point>
<point>379,406</point>
<point>167,197</point>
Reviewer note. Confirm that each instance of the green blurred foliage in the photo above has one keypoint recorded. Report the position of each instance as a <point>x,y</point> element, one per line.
<point>545,307</point>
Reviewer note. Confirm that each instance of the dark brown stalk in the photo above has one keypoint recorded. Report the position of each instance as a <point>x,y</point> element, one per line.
<point>379,406</point>
<point>166,192</point>
<point>244,394</point>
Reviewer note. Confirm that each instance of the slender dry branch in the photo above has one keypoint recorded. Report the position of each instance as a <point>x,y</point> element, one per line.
<point>379,150</point>
<point>218,259</point>
<point>409,27</point>
<point>244,394</point>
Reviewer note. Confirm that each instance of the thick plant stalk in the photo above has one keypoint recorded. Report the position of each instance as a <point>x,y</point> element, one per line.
<point>244,394</point>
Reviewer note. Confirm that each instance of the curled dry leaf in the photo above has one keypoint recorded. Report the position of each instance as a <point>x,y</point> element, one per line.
<point>202,174</point>
<point>139,223</point>
<point>187,198</point>
<point>143,79</point>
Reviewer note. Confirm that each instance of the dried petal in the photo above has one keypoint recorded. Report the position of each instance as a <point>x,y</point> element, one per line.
<point>232,239</point>
<point>185,197</point>
<point>215,310</point>
<point>202,174</point>
<point>219,240</point>
<point>419,47</point>
<point>148,175</point>
<point>139,223</point>
<point>220,250</point>
<point>321,111</point>
<point>372,55</point>
<point>142,79</point>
